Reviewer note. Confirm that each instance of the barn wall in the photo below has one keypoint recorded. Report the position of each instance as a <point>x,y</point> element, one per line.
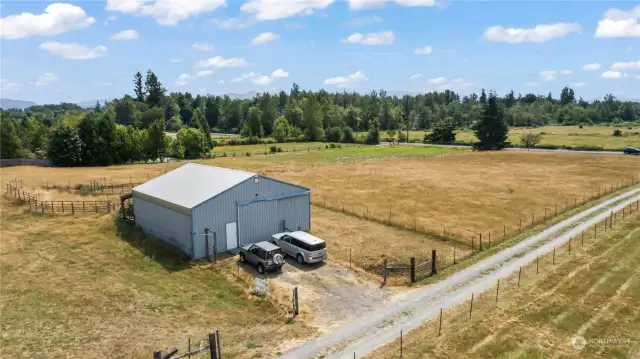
<point>163,223</point>
<point>215,213</point>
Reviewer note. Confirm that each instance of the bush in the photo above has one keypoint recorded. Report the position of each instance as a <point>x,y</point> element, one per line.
<point>580,126</point>
<point>347,135</point>
<point>617,133</point>
<point>273,149</point>
<point>248,154</point>
<point>402,136</point>
<point>333,145</point>
<point>279,149</point>
<point>334,134</point>
<point>442,133</point>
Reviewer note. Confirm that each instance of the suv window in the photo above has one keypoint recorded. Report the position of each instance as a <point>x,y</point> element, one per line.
<point>317,246</point>
<point>298,243</point>
<point>286,239</point>
<point>261,253</point>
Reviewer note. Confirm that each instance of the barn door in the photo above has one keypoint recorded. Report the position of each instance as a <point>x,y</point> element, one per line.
<point>232,235</point>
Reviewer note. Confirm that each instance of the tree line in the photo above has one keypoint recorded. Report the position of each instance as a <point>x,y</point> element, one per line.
<point>128,129</point>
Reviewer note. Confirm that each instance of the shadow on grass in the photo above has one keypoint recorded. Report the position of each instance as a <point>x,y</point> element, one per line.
<point>163,253</point>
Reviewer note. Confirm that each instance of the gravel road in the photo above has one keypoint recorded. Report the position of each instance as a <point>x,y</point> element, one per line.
<point>385,323</point>
<point>514,149</point>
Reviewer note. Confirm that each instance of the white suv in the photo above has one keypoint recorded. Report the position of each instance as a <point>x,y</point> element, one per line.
<point>304,247</point>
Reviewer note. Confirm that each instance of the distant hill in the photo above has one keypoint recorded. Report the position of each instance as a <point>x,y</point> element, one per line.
<point>7,104</point>
<point>92,103</point>
<point>242,96</point>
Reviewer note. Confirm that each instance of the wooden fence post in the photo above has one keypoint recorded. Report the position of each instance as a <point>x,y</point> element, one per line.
<point>434,270</point>
<point>213,346</point>
<point>504,232</point>
<point>440,325</point>
<point>73,210</point>
<point>520,229</point>
<point>454,255</point>
<point>157,355</point>
<point>533,218</point>
<point>553,261</point>
<point>95,203</point>
<point>413,270</point>
<point>480,241</point>
<point>471,306</point>
<point>519,275</point>
<point>545,215</point>
<point>537,262</point>
<point>497,290</point>
<point>385,272</point>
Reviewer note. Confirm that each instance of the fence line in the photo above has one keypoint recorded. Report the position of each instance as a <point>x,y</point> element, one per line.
<point>72,207</point>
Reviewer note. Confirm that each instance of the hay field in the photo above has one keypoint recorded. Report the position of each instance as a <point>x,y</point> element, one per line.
<point>466,194</point>
<point>592,292</point>
<point>83,287</point>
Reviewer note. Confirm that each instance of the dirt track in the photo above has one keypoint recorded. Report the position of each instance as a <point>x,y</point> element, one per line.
<point>383,324</point>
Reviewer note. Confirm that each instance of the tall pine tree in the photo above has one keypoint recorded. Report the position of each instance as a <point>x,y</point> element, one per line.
<point>491,130</point>
<point>137,87</point>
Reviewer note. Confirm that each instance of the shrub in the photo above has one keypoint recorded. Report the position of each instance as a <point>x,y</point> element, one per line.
<point>334,134</point>
<point>442,133</point>
<point>333,145</point>
<point>580,126</point>
<point>617,133</point>
<point>273,149</point>
<point>347,135</point>
<point>402,136</point>
<point>248,154</point>
<point>279,149</point>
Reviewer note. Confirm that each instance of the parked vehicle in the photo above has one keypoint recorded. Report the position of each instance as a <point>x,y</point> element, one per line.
<point>264,255</point>
<point>302,246</point>
<point>631,151</point>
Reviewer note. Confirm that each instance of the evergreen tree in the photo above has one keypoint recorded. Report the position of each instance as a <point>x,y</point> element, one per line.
<point>108,141</point>
<point>65,146</point>
<point>491,130</point>
<point>443,132</point>
<point>137,87</point>
<point>312,120</point>
<point>154,89</point>
<point>373,136</point>
<point>212,111</point>
<point>155,144</point>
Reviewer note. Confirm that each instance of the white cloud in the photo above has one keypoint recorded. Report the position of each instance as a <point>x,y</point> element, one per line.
<point>458,80</point>
<point>375,4</point>
<point>548,75</point>
<point>125,35</point>
<point>202,46</point>
<point>234,23</point>
<point>74,51</point>
<point>103,83</point>
<point>423,50</point>
<point>56,19</point>
<point>262,80</point>
<point>204,73</point>
<point>375,38</point>
<point>619,23</point>
<point>47,78</point>
<point>610,75</point>
<point>221,82</point>
<point>220,62</point>
<point>363,21</point>
<point>621,66</point>
<point>165,12</point>
<point>567,72</point>
<point>245,76</point>
<point>279,73</point>
<point>8,86</point>
<point>112,18</point>
<point>344,81</point>
<point>437,81</point>
<point>278,9</point>
<point>180,83</point>
<point>185,77</point>
<point>263,38</point>
<point>539,33</point>
<point>578,84</point>
<point>413,77</point>
<point>174,60</point>
<point>591,67</point>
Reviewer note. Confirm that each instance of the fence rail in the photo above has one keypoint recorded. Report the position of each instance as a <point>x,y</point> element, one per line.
<point>14,190</point>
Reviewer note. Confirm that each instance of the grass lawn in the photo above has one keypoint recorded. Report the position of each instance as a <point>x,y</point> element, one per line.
<point>83,286</point>
<point>592,292</point>
<point>561,135</point>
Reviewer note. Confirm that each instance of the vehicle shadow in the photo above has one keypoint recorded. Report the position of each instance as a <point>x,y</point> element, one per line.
<point>290,263</point>
<point>306,267</point>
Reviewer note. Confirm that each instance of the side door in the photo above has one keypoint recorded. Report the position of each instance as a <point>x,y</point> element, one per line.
<point>252,255</point>
<point>285,244</point>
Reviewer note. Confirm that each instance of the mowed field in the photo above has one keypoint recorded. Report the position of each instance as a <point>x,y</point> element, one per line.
<point>562,136</point>
<point>592,292</point>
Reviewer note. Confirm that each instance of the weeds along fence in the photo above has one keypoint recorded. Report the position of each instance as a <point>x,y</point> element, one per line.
<point>480,304</point>
<point>278,148</point>
<point>14,190</point>
<point>475,240</point>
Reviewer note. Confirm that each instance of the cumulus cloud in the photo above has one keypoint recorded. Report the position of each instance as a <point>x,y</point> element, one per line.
<point>262,80</point>
<point>124,35</point>
<point>621,66</point>
<point>567,72</point>
<point>263,38</point>
<point>202,46</point>
<point>437,81</point>
<point>423,50</point>
<point>165,12</point>
<point>363,21</point>
<point>374,38</point>
<point>578,84</point>
<point>376,4</point>
<point>220,62</point>
<point>221,82</point>
<point>278,9</point>
<point>245,76</point>
<point>74,51</point>
<point>232,23</point>
<point>413,77</point>
<point>56,19</point>
<point>345,81</point>
<point>46,79</point>
<point>174,60</point>
<point>591,67</point>
<point>611,75</point>
<point>8,86</point>
<point>259,79</point>
<point>539,33</point>
<point>548,75</point>
<point>279,73</point>
<point>619,23</point>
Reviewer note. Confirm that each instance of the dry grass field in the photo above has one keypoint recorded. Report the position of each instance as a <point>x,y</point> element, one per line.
<point>466,194</point>
<point>83,287</point>
<point>592,292</point>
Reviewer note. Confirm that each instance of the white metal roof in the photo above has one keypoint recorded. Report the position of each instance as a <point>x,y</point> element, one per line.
<point>191,184</point>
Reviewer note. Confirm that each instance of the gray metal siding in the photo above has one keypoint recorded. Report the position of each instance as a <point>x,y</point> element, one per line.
<point>259,220</point>
<point>222,209</point>
<point>163,223</point>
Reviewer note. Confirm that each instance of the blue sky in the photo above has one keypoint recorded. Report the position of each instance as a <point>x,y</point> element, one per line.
<point>67,51</point>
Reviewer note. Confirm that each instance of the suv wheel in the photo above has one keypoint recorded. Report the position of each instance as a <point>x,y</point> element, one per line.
<point>260,269</point>
<point>300,259</point>
<point>242,259</point>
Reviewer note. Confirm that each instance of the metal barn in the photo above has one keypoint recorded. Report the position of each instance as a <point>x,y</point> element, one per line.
<point>235,207</point>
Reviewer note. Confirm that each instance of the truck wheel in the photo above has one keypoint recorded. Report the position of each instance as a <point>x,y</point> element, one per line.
<point>300,259</point>
<point>242,259</point>
<point>260,269</point>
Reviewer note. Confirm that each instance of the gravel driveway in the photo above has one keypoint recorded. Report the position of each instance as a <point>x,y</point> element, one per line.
<point>382,323</point>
